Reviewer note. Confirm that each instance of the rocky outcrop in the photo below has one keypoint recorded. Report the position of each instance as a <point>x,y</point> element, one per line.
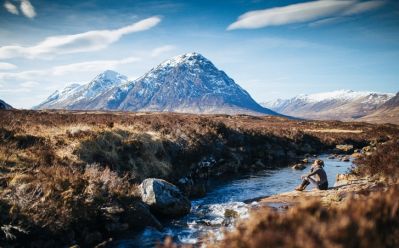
<point>164,198</point>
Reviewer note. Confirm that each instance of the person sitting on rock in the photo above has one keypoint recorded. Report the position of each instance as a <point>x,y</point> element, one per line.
<point>317,176</point>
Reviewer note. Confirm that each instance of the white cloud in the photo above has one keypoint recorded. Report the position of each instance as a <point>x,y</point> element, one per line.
<point>92,66</point>
<point>29,84</point>
<point>160,50</point>
<point>87,66</point>
<point>27,9</point>
<point>364,7</point>
<point>11,8</point>
<point>7,66</point>
<point>302,12</point>
<point>15,90</point>
<point>83,42</point>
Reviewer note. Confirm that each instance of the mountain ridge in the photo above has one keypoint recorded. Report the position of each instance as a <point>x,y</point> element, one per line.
<point>188,83</point>
<point>335,105</point>
<point>386,113</point>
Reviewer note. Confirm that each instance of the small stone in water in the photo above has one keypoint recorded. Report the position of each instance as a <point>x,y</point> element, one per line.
<point>229,213</point>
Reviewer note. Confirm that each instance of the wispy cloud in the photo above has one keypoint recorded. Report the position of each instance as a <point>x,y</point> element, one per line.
<point>16,90</point>
<point>160,50</point>
<point>27,9</point>
<point>29,84</point>
<point>302,12</point>
<point>82,42</point>
<point>363,7</point>
<point>92,66</point>
<point>7,66</point>
<point>25,6</point>
<point>10,7</point>
<point>87,66</point>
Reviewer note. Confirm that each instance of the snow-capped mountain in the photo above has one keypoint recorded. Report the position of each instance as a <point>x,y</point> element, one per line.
<point>187,83</point>
<point>337,105</point>
<point>4,105</point>
<point>76,95</point>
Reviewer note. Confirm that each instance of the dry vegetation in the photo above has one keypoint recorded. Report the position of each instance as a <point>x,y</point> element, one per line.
<point>73,176</point>
<point>383,163</point>
<point>367,219</point>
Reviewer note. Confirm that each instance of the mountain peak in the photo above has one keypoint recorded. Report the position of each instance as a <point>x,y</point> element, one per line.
<point>105,80</point>
<point>187,58</point>
<point>110,75</point>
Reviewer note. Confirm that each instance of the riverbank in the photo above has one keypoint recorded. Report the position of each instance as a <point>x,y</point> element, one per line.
<point>345,187</point>
<point>360,211</point>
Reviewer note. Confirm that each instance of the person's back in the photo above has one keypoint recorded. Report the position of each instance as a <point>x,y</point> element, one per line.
<point>321,178</point>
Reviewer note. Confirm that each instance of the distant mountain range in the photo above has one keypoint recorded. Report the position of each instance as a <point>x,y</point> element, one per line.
<point>187,83</point>
<point>388,112</point>
<point>4,105</point>
<point>336,105</point>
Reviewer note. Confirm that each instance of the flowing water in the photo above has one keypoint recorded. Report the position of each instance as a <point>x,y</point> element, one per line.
<point>226,200</point>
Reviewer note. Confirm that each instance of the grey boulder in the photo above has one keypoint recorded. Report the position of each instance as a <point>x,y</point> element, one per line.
<point>164,198</point>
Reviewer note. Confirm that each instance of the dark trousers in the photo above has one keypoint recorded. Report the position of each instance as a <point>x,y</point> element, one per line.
<point>320,186</point>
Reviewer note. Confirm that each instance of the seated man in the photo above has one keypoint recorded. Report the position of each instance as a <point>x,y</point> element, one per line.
<point>317,176</point>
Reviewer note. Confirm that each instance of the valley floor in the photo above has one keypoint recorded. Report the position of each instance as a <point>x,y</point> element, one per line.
<point>71,177</point>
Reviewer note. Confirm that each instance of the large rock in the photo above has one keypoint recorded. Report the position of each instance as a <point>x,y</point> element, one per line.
<point>164,198</point>
<point>344,149</point>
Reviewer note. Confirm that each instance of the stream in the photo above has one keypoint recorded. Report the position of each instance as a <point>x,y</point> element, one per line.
<point>228,201</point>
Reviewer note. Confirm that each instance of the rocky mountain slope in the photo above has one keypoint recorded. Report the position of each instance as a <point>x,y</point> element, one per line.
<point>4,105</point>
<point>336,105</point>
<point>76,96</point>
<point>188,83</point>
<point>386,113</point>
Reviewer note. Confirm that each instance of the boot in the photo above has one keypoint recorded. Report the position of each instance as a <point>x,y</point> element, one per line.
<point>303,185</point>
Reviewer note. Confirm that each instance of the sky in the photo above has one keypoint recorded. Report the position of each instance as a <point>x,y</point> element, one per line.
<point>272,48</point>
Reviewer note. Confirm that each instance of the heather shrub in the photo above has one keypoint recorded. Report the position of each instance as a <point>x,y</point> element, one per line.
<point>58,199</point>
<point>369,221</point>
<point>383,162</point>
<point>121,151</point>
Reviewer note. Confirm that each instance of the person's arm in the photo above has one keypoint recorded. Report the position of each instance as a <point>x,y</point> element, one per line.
<point>313,172</point>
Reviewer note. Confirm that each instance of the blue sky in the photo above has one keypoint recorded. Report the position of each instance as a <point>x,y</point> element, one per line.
<point>273,49</point>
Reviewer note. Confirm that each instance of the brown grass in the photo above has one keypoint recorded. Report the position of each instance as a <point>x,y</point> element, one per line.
<point>48,191</point>
<point>58,201</point>
<point>164,144</point>
<point>369,221</point>
<point>382,163</point>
